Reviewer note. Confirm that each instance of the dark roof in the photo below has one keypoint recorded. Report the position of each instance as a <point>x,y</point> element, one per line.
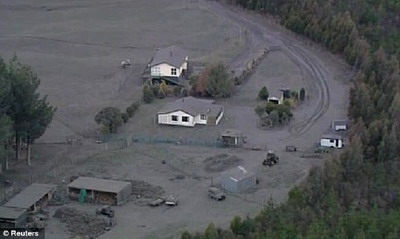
<point>30,195</point>
<point>331,136</point>
<point>11,212</point>
<point>339,122</point>
<point>238,173</point>
<point>231,133</point>
<point>192,106</point>
<point>172,55</point>
<point>98,184</point>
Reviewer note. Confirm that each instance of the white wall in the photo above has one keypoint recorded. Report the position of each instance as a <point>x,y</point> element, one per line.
<point>165,70</point>
<point>198,120</point>
<point>167,119</point>
<point>328,143</point>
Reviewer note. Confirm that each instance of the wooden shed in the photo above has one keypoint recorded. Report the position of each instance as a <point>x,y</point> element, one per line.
<point>232,138</point>
<point>96,190</point>
<point>12,217</point>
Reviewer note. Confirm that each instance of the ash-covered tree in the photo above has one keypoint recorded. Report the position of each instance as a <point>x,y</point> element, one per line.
<point>219,82</point>
<point>29,112</point>
<point>110,118</point>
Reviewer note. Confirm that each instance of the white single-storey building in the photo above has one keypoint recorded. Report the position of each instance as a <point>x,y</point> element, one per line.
<point>332,141</point>
<point>339,125</point>
<point>169,64</point>
<point>189,111</point>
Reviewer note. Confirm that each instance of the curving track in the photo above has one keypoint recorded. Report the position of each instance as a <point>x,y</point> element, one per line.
<point>259,37</point>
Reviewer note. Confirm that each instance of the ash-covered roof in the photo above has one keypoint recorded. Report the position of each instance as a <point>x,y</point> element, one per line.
<point>30,195</point>
<point>192,106</point>
<point>172,55</point>
<point>98,184</point>
<point>238,173</point>
<point>11,212</point>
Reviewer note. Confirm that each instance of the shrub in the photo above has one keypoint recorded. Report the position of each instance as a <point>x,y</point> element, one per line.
<point>148,94</point>
<point>302,94</point>
<point>263,94</point>
<point>125,117</point>
<point>110,118</point>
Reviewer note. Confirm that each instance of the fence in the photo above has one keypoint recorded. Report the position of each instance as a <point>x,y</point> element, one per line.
<point>177,141</point>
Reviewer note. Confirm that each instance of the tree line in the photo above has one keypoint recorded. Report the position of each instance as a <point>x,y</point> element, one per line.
<point>357,194</point>
<point>24,114</point>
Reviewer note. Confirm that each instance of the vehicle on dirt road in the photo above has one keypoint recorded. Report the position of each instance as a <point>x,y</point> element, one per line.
<point>271,159</point>
<point>171,200</point>
<point>105,210</point>
<point>216,194</point>
<point>290,148</point>
<point>157,202</point>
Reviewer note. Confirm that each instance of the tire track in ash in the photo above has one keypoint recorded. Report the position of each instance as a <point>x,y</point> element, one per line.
<point>316,70</point>
<point>304,60</point>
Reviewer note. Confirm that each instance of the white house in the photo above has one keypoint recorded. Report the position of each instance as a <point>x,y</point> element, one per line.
<point>169,64</point>
<point>332,141</point>
<point>190,111</point>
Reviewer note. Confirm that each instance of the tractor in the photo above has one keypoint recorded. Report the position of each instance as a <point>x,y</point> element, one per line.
<point>271,159</point>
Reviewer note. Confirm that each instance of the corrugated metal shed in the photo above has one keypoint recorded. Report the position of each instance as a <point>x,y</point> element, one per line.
<point>238,180</point>
<point>30,195</point>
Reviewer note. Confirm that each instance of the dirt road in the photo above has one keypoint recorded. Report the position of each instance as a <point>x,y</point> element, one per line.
<point>258,37</point>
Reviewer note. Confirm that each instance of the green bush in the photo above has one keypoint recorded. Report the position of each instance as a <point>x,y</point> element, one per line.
<point>263,94</point>
<point>148,94</point>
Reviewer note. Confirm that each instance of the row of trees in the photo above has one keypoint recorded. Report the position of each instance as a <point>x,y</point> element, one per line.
<point>355,195</point>
<point>24,114</point>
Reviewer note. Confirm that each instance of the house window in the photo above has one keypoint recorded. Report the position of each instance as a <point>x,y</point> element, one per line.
<point>173,71</point>
<point>156,70</point>
<point>174,118</point>
<point>203,117</point>
<point>185,119</point>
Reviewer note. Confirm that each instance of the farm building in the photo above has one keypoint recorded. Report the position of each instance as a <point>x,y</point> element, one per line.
<point>169,64</point>
<point>276,96</point>
<point>339,125</point>
<point>332,141</point>
<point>11,217</point>
<point>238,180</point>
<point>33,197</point>
<point>232,138</point>
<point>104,191</point>
<point>190,111</point>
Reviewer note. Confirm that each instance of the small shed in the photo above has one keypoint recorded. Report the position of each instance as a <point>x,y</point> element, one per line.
<point>332,141</point>
<point>232,138</point>
<point>33,197</point>
<point>339,125</point>
<point>96,190</point>
<point>238,180</point>
<point>11,217</point>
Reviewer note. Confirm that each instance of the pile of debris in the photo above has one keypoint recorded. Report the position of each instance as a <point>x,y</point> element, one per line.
<point>81,223</point>
<point>221,162</point>
<point>60,196</point>
<point>146,190</point>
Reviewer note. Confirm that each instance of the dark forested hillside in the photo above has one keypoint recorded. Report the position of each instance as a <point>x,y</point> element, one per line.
<point>356,195</point>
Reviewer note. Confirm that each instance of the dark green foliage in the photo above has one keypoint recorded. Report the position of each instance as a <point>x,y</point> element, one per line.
<point>302,94</point>
<point>277,114</point>
<point>110,118</point>
<point>263,94</point>
<point>125,117</point>
<point>356,194</point>
<point>148,94</point>
<point>219,83</point>
<point>130,110</point>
